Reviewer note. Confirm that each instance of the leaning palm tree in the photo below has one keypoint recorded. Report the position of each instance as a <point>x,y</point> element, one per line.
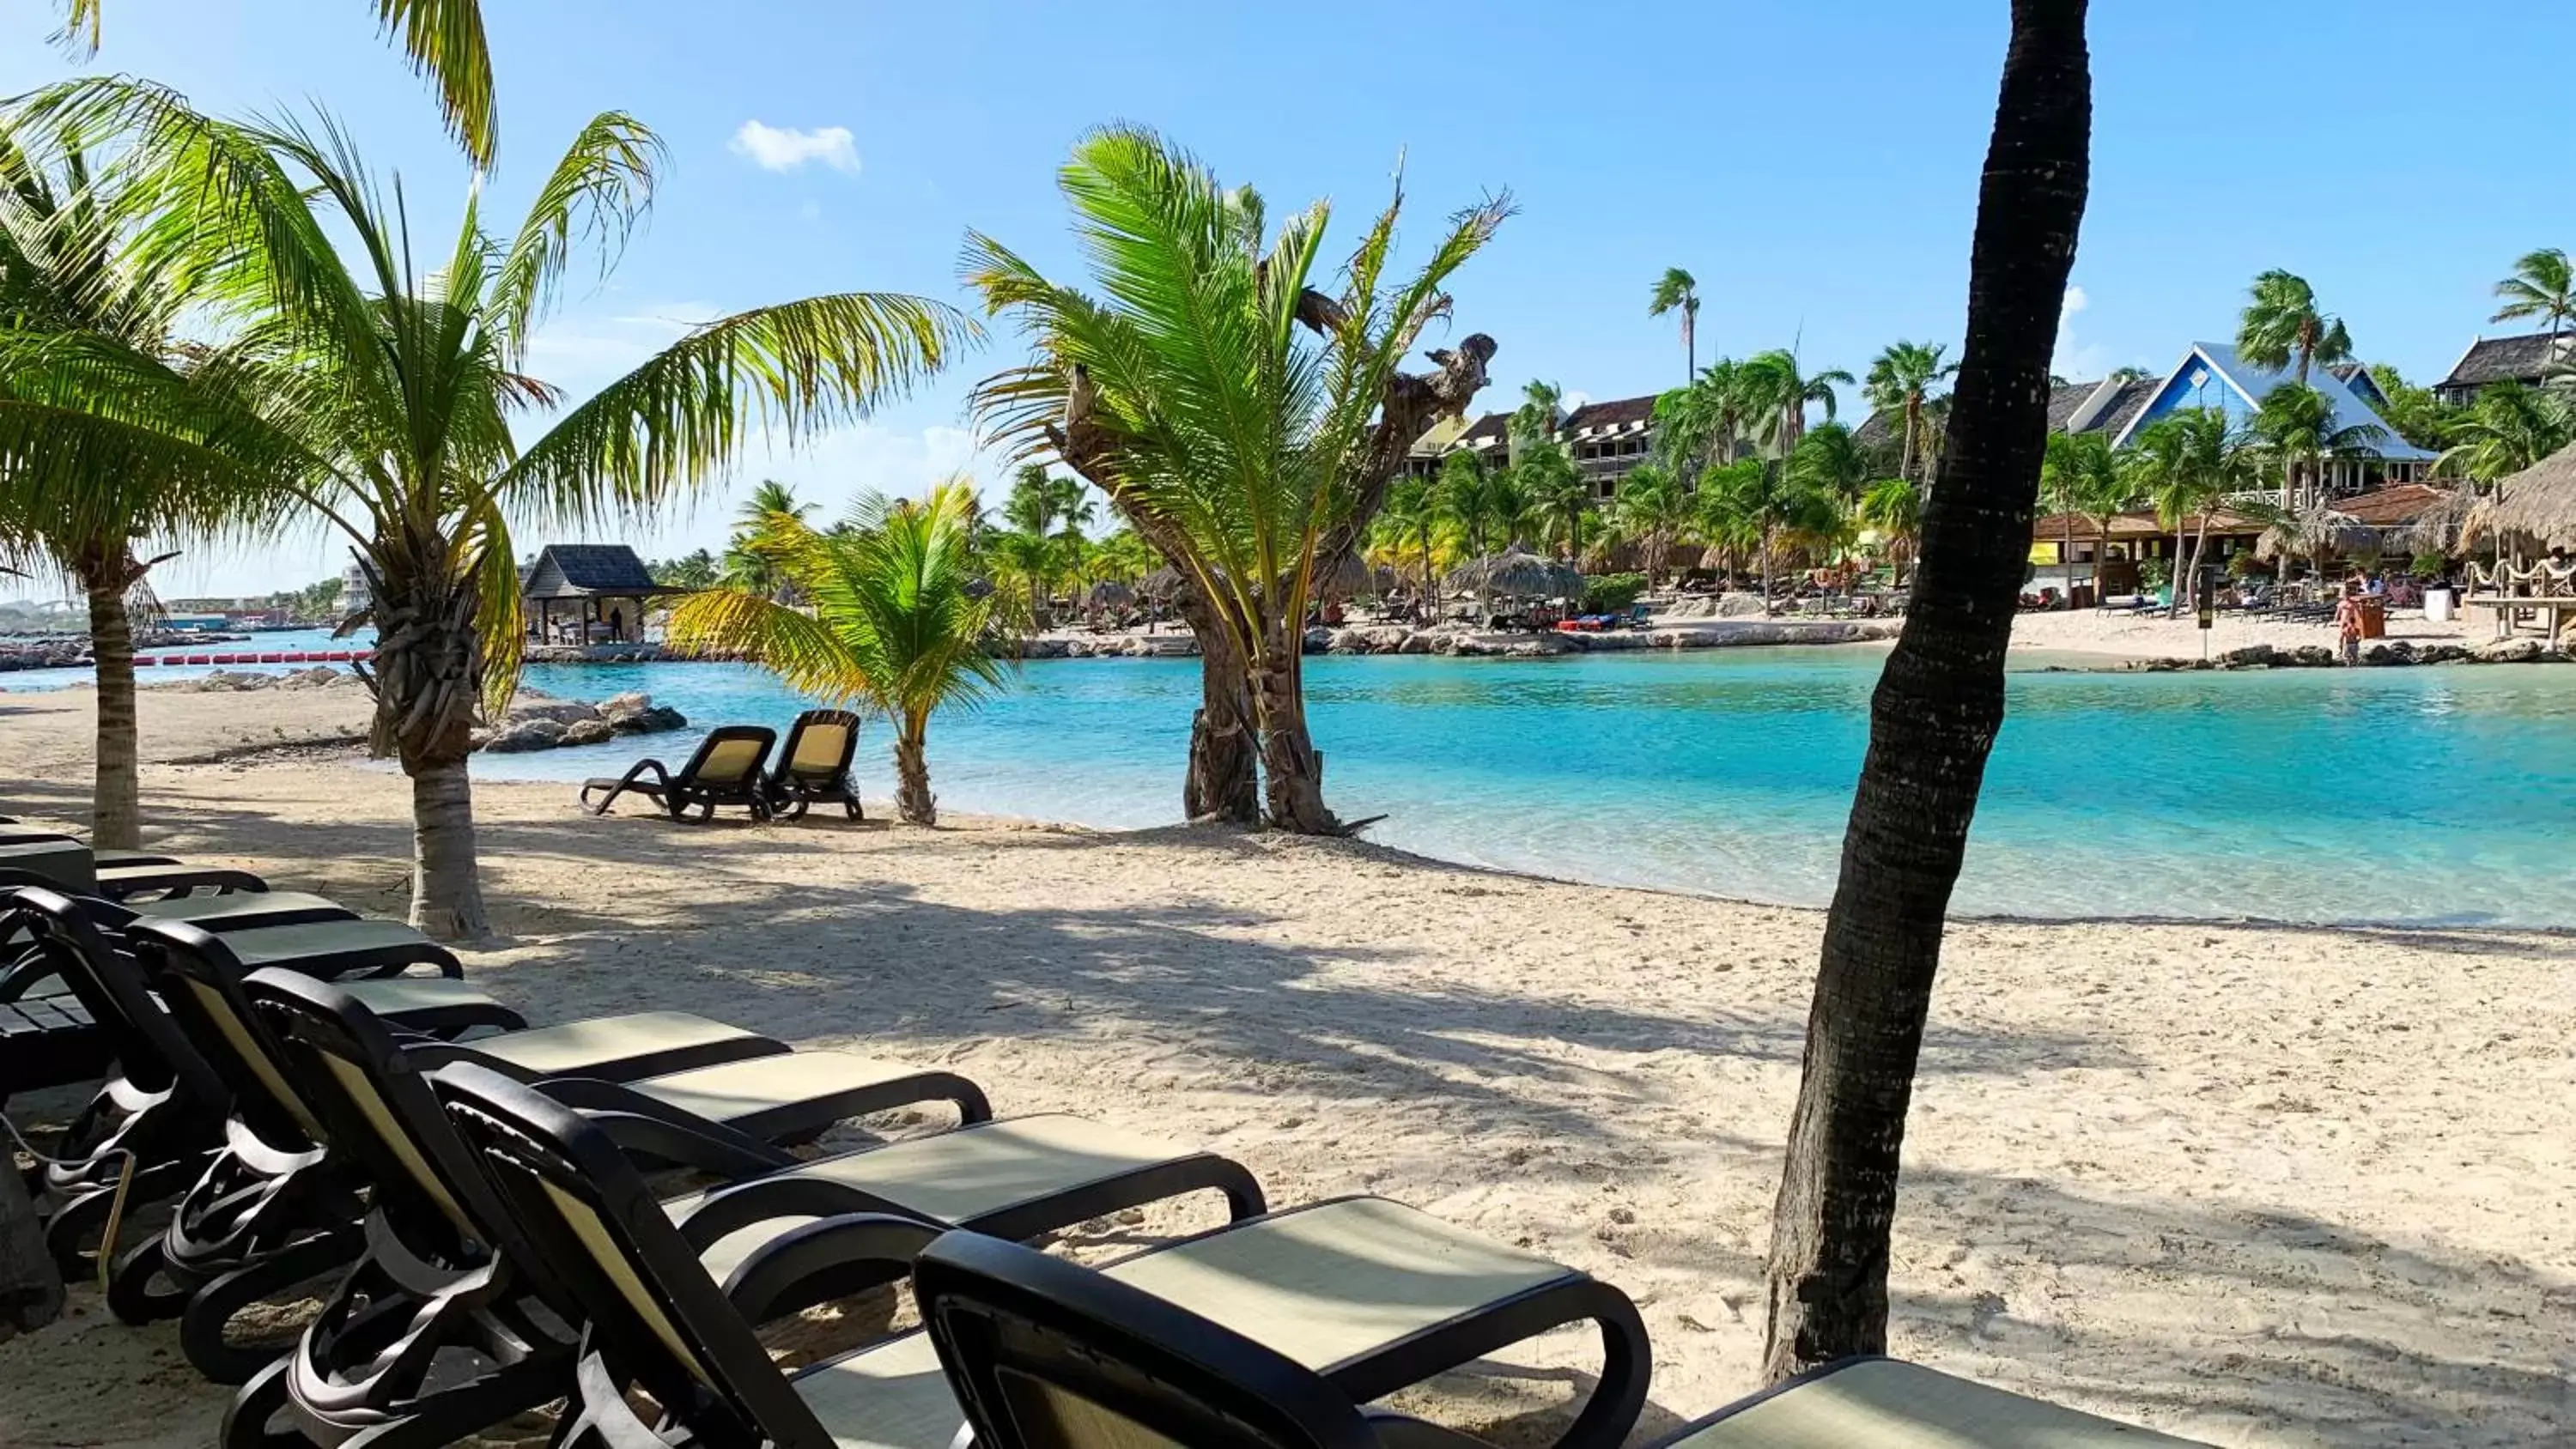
<point>1703,422</point>
<point>77,306</point>
<point>2282,327</point>
<point>1236,417</point>
<point>895,621</point>
<point>388,395</point>
<point>2297,426</point>
<point>2079,476</point>
<point>1901,381</point>
<point>442,38</point>
<point>1779,395</point>
<point>2543,286</point>
<point>1676,291</point>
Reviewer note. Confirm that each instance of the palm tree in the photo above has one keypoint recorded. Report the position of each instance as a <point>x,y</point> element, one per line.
<point>78,307</point>
<point>2186,463</point>
<point>1778,397</point>
<point>2543,285</point>
<point>1536,418</point>
<point>1702,422</point>
<point>1831,461</point>
<point>1555,494</point>
<point>443,38</point>
<point>1238,419</point>
<point>895,621</point>
<point>1409,522</point>
<point>1933,721</point>
<point>1900,380</point>
<point>2079,474</point>
<point>746,567</point>
<point>2282,328</point>
<point>389,395</point>
<point>1658,510</point>
<point>1753,502</point>
<point>1464,499</point>
<point>2296,424</point>
<point>1675,291</point>
<point>1894,506</point>
<point>2509,428</point>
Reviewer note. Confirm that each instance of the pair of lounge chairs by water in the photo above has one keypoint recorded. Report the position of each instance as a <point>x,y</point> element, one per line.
<point>728,769</point>
<point>482,1210</point>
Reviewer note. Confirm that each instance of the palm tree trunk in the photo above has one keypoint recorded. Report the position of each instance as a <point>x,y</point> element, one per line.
<point>2173,577</point>
<point>116,821</point>
<point>912,798</point>
<point>2066,550</point>
<point>1933,719</point>
<point>1291,768</point>
<point>1905,460</point>
<point>1766,569</point>
<point>429,684</point>
<point>1221,785</point>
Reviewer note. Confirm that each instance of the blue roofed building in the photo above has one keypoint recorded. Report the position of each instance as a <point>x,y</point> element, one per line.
<point>2215,375</point>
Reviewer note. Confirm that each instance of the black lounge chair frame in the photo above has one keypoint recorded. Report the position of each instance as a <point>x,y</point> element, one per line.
<point>533,1147</point>
<point>274,1208</point>
<point>792,790</point>
<point>676,794</point>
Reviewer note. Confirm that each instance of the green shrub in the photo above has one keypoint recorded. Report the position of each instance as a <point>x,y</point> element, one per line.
<point>2155,572</point>
<point>1611,593</point>
<point>2429,566</point>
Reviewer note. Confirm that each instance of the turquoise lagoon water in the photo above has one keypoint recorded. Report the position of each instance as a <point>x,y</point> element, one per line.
<point>2403,796</point>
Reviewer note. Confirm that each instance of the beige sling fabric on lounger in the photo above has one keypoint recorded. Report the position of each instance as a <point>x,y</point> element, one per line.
<point>1319,1285</point>
<point>395,995</point>
<point>286,945</point>
<point>818,749</point>
<point>579,1046</point>
<point>1888,1404</point>
<point>733,761</point>
<point>955,1176</point>
<point>730,1090</point>
<point>214,912</point>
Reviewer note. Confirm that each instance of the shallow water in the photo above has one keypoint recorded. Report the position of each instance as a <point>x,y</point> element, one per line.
<point>2416,796</point>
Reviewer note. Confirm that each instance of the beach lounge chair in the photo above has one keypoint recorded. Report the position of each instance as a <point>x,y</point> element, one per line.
<point>446,1245</point>
<point>814,768</point>
<point>1372,1293</point>
<point>64,862</point>
<point>1885,1401</point>
<point>725,770</point>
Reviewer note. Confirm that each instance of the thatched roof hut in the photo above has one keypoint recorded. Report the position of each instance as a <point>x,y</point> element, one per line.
<point>2317,529</point>
<point>1163,583</point>
<point>2533,511</point>
<point>1517,573</point>
<point>1108,594</point>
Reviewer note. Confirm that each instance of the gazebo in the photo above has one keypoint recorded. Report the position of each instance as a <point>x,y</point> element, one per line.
<point>598,591</point>
<point>2531,524</point>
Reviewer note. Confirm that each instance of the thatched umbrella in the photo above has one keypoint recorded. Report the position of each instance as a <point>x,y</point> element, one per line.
<point>1108,594</point>
<point>1348,580</point>
<point>2443,523</point>
<point>1516,573</point>
<point>2533,511</point>
<point>2315,531</point>
<point>1163,584</point>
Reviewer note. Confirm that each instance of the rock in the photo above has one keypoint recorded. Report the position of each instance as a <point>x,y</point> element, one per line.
<point>2312,656</point>
<point>559,711</point>
<point>657,720</point>
<point>2388,652</point>
<point>2252,656</point>
<point>621,706</point>
<point>1414,643</point>
<point>588,732</point>
<point>2441,654</point>
<point>1318,640</point>
<point>1042,648</point>
<point>320,676</point>
<point>520,736</point>
<point>1737,606</point>
<point>2506,651</point>
<point>1080,649</point>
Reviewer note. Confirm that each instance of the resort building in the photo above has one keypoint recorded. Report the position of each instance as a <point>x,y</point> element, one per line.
<point>2214,375</point>
<point>588,593</point>
<point>1488,437</point>
<point>1608,439</point>
<point>2525,360</point>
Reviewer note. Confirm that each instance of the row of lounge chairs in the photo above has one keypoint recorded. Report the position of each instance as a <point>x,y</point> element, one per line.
<point>484,1210</point>
<point>731,768</point>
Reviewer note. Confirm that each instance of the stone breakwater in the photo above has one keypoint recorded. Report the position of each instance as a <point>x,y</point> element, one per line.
<point>543,722</point>
<point>1469,643</point>
<point>2381,654</point>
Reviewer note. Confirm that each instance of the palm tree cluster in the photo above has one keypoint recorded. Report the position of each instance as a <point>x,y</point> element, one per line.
<point>256,341</point>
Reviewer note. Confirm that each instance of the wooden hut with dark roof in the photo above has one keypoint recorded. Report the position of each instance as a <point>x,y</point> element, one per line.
<point>588,593</point>
<point>2490,360</point>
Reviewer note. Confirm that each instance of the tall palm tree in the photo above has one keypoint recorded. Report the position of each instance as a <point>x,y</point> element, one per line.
<point>1466,503</point>
<point>1933,721</point>
<point>1830,461</point>
<point>1901,380</point>
<point>2282,327</point>
<point>1703,422</point>
<point>1753,502</point>
<point>2543,285</point>
<point>746,567</point>
<point>389,394</point>
<point>1555,494</point>
<point>1778,397</point>
<point>1236,417</point>
<point>895,621</point>
<point>1536,418</point>
<point>2509,428</point>
<point>1676,291</point>
<point>2186,464</point>
<point>2296,425</point>
<point>1410,523</point>
<point>2080,475</point>
<point>1657,509</point>
<point>77,306</point>
<point>442,38</point>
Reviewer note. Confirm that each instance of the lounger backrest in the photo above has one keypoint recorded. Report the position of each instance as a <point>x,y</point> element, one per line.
<point>200,980</point>
<point>1044,1354</point>
<point>653,1312</point>
<point>730,756</point>
<point>820,745</point>
<point>151,1050</point>
<point>375,1103</point>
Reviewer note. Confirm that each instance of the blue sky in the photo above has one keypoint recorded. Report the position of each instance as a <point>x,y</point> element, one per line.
<point>1814,165</point>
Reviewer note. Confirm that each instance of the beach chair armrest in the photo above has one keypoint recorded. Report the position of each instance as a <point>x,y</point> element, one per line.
<point>729,1210</point>
<point>633,1118</point>
<point>822,1261</point>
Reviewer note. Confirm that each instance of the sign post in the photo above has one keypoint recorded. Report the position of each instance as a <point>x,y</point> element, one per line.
<point>2208,611</point>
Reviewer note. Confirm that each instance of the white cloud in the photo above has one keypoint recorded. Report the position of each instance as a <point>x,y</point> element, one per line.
<point>774,148</point>
<point>2077,360</point>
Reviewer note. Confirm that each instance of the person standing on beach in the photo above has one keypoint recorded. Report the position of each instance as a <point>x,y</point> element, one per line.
<point>2348,623</point>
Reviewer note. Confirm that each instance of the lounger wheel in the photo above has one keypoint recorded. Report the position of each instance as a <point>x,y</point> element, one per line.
<point>203,1322</point>
<point>251,1420</point>
<point>137,1290</point>
<point>72,1234</point>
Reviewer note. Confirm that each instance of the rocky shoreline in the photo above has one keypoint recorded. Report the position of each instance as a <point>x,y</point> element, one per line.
<point>2381,654</point>
<point>543,722</point>
<point>1358,639</point>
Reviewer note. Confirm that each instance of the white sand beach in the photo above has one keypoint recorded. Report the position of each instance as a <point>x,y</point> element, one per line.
<point>2259,1186</point>
<point>2154,636</point>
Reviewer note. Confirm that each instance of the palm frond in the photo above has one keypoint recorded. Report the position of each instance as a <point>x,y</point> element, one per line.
<point>444,39</point>
<point>599,191</point>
